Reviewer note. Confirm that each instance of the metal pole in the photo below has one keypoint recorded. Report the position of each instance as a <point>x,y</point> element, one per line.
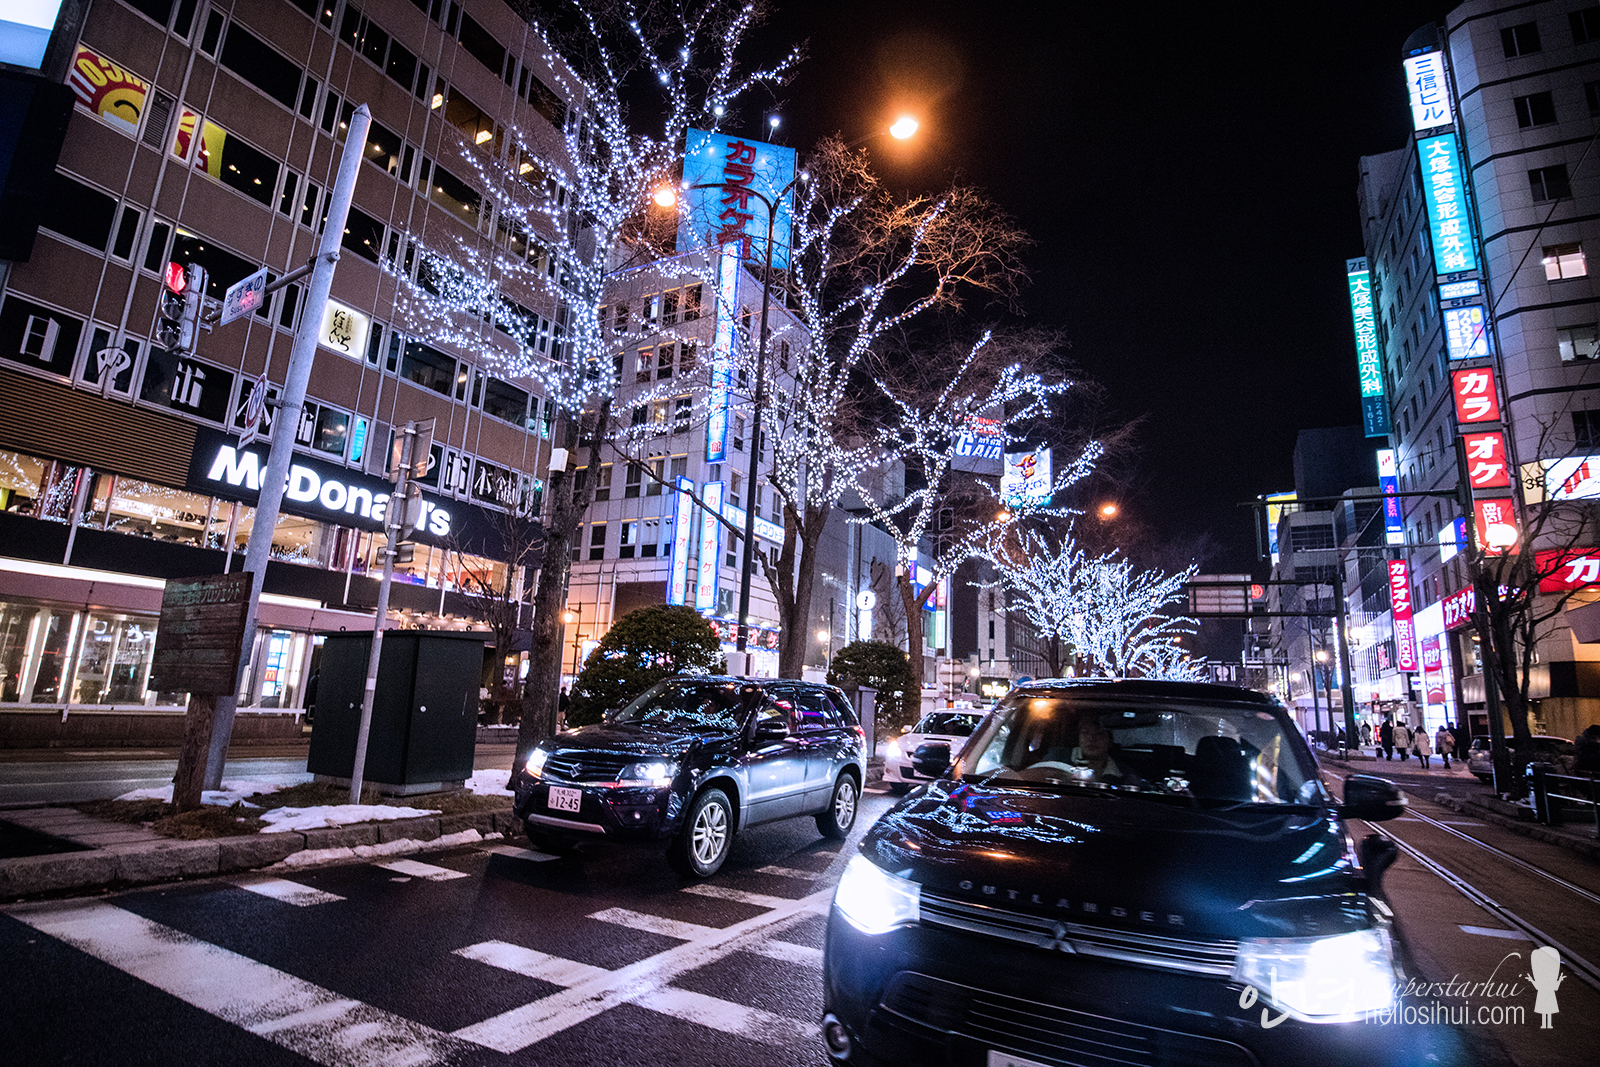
<point>393,522</point>
<point>276,474</point>
<point>1347,684</point>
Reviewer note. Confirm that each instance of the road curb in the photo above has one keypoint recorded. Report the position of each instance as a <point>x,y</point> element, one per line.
<point>145,863</point>
<point>1537,831</point>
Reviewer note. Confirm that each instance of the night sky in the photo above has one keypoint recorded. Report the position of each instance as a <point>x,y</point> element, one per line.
<point>1188,176</point>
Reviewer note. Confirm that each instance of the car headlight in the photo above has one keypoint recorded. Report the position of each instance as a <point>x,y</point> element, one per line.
<point>656,773</point>
<point>875,901</point>
<point>1321,979</point>
<point>894,749</point>
<point>535,765</point>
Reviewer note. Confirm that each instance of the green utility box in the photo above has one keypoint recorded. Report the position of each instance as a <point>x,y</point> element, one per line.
<point>424,715</point>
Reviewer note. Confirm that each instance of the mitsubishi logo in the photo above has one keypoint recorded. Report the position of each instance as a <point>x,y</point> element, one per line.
<point>1057,939</point>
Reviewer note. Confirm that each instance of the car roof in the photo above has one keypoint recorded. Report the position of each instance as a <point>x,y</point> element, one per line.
<point>1148,688</point>
<point>724,679</point>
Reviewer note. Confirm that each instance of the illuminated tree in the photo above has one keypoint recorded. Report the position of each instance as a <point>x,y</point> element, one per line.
<point>572,204</point>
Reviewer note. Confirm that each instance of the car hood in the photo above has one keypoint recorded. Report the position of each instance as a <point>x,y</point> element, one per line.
<point>1105,859</point>
<point>628,740</point>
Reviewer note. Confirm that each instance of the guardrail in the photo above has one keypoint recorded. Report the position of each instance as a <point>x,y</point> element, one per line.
<point>1552,792</point>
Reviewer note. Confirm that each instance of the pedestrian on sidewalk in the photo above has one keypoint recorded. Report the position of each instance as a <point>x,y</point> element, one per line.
<point>1366,734</point>
<point>1445,742</point>
<point>1402,740</point>
<point>1587,756</point>
<point>1419,741</point>
<point>1386,739</point>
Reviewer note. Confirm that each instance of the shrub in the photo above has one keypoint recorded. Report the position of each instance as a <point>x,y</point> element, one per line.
<point>887,669</point>
<point>639,650</point>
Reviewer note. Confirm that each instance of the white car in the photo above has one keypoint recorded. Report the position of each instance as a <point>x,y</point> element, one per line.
<point>953,727</point>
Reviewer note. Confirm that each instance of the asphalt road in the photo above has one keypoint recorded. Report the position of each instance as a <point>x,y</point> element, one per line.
<point>492,954</point>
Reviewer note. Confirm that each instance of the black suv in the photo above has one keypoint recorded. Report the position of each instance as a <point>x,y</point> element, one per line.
<point>1119,872</point>
<point>694,760</point>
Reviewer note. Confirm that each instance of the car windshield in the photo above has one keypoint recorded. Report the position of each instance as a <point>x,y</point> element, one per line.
<point>947,724</point>
<point>1232,753</point>
<point>700,706</point>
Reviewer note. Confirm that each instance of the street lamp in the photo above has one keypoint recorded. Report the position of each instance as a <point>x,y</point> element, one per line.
<point>571,617</point>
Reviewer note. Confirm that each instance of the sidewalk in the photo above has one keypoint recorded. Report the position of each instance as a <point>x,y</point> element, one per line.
<point>92,854</point>
<point>1461,791</point>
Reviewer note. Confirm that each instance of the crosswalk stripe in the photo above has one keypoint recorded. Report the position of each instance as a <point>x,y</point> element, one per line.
<point>515,853</point>
<point>531,1023</point>
<point>282,889</point>
<point>789,952</point>
<point>730,1018</point>
<point>653,924</point>
<point>792,872</point>
<point>526,961</point>
<point>422,870</point>
<point>307,1019</point>
<point>760,900</point>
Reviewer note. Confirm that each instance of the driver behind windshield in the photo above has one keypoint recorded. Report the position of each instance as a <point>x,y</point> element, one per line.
<point>1094,753</point>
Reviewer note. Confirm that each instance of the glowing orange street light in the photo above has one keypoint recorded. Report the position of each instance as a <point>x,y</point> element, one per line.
<point>666,196</point>
<point>903,128</point>
<point>1108,511</point>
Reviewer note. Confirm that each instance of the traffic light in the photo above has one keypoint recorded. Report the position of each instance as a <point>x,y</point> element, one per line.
<point>178,316</point>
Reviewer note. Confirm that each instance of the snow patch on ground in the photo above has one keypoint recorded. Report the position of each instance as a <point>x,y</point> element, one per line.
<point>231,792</point>
<point>280,819</point>
<point>489,784</point>
<point>312,856</point>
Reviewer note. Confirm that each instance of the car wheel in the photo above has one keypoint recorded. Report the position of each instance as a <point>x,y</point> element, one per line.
<point>840,815</point>
<point>699,850</point>
<point>899,789</point>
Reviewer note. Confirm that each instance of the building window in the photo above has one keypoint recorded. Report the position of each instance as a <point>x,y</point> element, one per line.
<point>664,362</point>
<point>630,537</point>
<point>658,467</point>
<point>1549,183</point>
<point>635,476</point>
<point>1564,261</point>
<point>602,488</point>
<point>738,433</point>
<point>1520,40</point>
<point>1585,25</point>
<point>1536,109</point>
<point>1586,429</point>
<point>597,541</point>
<point>1578,342</point>
<point>428,367</point>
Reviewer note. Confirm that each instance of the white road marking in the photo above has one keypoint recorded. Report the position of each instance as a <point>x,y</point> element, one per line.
<point>1489,931</point>
<point>519,960</point>
<point>422,870</point>
<point>730,1018</point>
<point>515,853</point>
<point>653,924</point>
<point>789,952</point>
<point>304,1018</point>
<point>520,1027</point>
<point>282,889</point>
<point>760,900</point>
<point>792,872</point>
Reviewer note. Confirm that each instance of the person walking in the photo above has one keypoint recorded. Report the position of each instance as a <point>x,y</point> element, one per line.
<point>1366,734</point>
<point>563,701</point>
<point>1386,739</point>
<point>1419,742</point>
<point>1402,740</point>
<point>1445,742</point>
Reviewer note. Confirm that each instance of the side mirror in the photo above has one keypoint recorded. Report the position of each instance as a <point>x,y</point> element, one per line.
<point>931,759</point>
<point>905,729</point>
<point>1371,798</point>
<point>1376,853</point>
<point>770,730</point>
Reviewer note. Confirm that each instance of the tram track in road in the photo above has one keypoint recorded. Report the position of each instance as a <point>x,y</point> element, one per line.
<point>1578,964</point>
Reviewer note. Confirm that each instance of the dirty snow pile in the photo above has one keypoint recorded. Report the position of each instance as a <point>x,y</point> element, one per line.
<point>280,819</point>
<point>489,784</point>
<point>232,792</point>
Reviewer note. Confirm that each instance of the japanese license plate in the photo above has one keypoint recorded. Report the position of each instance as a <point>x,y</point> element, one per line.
<point>1006,1059</point>
<point>564,799</point>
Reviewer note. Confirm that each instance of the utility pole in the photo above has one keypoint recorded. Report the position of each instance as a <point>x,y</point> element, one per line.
<point>408,459</point>
<point>275,476</point>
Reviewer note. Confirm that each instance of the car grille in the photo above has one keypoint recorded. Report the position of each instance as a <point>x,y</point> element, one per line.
<point>1049,1033</point>
<point>1167,953</point>
<point>581,766</point>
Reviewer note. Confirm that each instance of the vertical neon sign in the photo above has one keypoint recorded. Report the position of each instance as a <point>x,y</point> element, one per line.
<point>678,567</point>
<point>1369,365</point>
<point>722,353</point>
<point>705,589</point>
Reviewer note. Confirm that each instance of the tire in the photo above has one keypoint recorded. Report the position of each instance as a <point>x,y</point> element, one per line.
<point>899,789</point>
<point>840,816</point>
<point>707,836</point>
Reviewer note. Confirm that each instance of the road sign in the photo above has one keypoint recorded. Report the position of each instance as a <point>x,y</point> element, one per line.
<point>201,629</point>
<point>244,296</point>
